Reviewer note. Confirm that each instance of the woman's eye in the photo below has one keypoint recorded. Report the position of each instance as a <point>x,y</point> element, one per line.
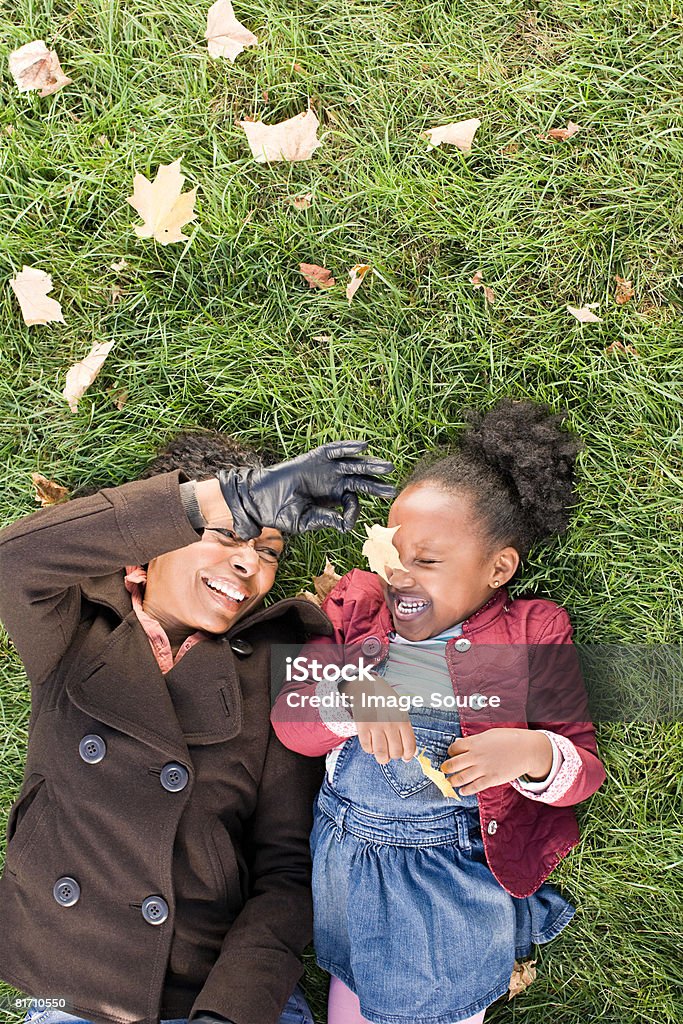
<point>427,561</point>
<point>270,555</point>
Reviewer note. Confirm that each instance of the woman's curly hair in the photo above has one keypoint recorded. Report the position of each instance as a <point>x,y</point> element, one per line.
<point>200,454</point>
<point>516,464</point>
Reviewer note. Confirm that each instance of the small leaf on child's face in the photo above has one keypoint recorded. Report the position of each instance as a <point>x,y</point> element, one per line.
<point>380,551</point>
<point>436,776</point>
<point>47,491</point>
<point>523,974</point>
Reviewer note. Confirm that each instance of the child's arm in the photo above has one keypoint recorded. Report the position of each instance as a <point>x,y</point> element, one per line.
<point>44,556</point>
<point>298,725</point>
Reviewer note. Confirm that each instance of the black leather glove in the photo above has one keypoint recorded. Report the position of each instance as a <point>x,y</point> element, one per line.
<point>300,495</point>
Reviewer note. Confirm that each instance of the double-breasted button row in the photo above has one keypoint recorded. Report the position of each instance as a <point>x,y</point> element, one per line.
<point>174,777</point>
<point>67,892</point>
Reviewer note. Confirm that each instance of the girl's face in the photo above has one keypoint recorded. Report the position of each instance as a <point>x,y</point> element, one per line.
<point>449,571</point>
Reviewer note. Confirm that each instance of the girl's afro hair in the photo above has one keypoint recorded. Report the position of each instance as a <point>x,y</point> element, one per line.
<point>516,463</point>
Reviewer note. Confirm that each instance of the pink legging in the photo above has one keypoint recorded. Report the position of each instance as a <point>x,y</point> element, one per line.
<point>343,1007</point>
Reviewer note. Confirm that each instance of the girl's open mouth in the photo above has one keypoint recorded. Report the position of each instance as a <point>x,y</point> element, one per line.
<point>224,593</point>
<point>406,608</point>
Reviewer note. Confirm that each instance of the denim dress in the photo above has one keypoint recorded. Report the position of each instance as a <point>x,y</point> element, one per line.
<point>407,912</point>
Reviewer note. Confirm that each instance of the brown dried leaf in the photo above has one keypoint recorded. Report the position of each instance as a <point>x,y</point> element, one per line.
<point>118,396</point>
<point>460,134</point>
<point>117,293</point>
<point>308,596</point>
<point>357,276</point>
<point>436,775</point>
<point>523,974</point>
<point>81,375</point>
<point>160,204</point>
<point>297,67</point>
<point>562,134</point>
<point>584,314</point>
<point>31,287</point>
<point>511,150</point>
<point>380,551</point>
<point>618,346</point>
<point>322,337</point>
<point>227,37</point>
<point>489,293</point>
<point>317,277</point>
<point>120,265</point>
<point>326,581</point>
<point>293,139</point>
<point>33,66</point>
<point>47,491</point>
<point>302,202</point>
<point>624,290</point>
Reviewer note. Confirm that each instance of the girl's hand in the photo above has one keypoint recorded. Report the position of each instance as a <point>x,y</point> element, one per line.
<point>383,731</point>
<point>497,756</point>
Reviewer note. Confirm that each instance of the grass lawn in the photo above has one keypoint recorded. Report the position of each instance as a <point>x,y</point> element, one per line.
<point>223,331</point>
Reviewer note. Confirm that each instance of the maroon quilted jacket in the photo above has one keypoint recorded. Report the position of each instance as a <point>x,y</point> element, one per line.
<point>519,649</point>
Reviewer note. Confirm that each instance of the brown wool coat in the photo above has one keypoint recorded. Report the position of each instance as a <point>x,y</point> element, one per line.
<point>228,853</point>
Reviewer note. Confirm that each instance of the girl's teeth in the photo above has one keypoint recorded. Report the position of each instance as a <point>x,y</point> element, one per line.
<point>406,607</point>
<point>226,591</point>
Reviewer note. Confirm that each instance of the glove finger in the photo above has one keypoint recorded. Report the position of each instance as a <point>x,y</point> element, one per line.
<point>338,449</point>
<point>320,518</point>
<point>368,485</point>
<point>368,466</point>
<point>351,507</point>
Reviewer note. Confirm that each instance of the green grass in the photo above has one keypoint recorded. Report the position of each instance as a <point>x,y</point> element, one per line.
<point>222,330</point>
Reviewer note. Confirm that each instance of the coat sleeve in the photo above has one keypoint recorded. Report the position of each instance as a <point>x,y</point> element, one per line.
<point>259,964</point>
<point>300,727</point>
<point>558,703</point>
<point>44,557</point>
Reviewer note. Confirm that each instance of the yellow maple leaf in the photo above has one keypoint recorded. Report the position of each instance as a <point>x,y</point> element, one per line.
<point>160,204</point>
<point>436,775</point>
<point>31,287</point>
<point>380,551</point>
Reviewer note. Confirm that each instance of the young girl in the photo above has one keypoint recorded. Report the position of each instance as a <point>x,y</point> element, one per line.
<point>422,901</point>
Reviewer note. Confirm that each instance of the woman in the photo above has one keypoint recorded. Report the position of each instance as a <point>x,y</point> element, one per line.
<point>157,864</point>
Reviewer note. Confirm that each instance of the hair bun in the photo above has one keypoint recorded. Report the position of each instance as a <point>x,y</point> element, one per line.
<point>534,457</point>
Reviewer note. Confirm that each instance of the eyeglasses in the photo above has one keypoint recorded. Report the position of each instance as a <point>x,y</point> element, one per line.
<point>228,539</point>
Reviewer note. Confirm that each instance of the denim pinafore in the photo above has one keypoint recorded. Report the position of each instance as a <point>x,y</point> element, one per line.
<point>407,912</point>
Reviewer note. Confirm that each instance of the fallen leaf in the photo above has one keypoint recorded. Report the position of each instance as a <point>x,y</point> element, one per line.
<point>226,36</point>
<point>357,276</point>
<point>523,974</point>
<point>31,287</point>
<point>297,67</point>
<point>436,775</point>
<point>618,346</point>
<point>624,290</point>
<point>322,337</point>
<point>584,314</point>
<point>303,202</point>
<point>33,66</point>
<point>460,134</point>
<point>327,581</point>
<point>9,129</point>
<point>117,293</point>
<point>103,140</point>
<point>380,551</point>
<point>562,134</point>
<point>81,375</point>
<point>163,209</point>
<point>47,491</point>
<point>119,397</point>
<point>118,266</point>
<point>489,293</point>
<point>510,150</point>
<point>317,277</point>
<point>292,139</point>
<point>265,94</point>
<point>307,595</point>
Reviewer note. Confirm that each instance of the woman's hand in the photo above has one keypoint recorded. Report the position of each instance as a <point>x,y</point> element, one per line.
<point>301,494</point>
<point>383,731</point>
<point>497,756</point>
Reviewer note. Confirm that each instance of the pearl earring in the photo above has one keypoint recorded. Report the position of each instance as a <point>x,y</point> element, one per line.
<point>496,583</point>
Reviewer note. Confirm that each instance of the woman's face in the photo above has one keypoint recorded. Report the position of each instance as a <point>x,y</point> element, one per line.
<point>449,571</point>
<point>212,584</point>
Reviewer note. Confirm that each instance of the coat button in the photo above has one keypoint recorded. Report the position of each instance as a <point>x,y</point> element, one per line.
<point>154,910</point>
<point>66,891</point>
<point>242,647</point>
<point>462,644</point>
<point>174,777</point>
<point>371,646</point>
<point>476,701</point>
<point>492,827</point>
<point>92,748</point>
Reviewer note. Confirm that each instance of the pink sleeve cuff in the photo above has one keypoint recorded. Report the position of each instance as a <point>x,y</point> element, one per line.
<point>565,769</point>
<point>337,719</point>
